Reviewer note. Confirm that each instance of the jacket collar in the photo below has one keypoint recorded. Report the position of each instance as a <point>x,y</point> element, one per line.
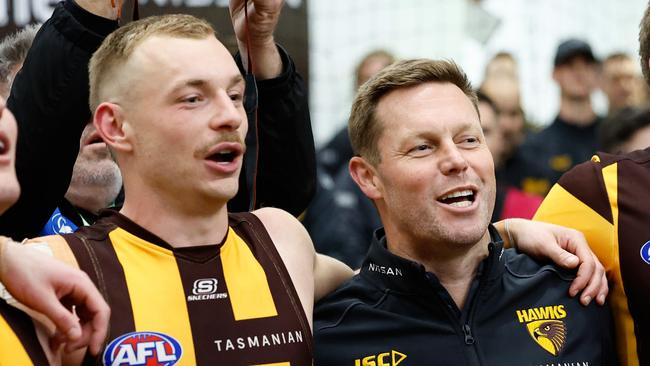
<point>400,274</point>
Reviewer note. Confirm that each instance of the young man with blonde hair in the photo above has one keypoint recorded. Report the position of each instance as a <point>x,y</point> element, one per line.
<point>437,287</point>
<point>187,281</point>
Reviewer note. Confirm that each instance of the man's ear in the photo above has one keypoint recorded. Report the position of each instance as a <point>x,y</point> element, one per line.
<point>555,74</point>
<point>365,175</point>
<point>112,127</point>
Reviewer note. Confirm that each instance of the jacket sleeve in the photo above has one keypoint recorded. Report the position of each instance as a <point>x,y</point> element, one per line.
<point>286,165</point>
<point>50,101</point>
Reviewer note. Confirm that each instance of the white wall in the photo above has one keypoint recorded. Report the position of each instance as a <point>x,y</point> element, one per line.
<point>342,31</point>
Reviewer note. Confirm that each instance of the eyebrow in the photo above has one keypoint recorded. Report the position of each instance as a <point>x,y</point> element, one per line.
<point>235,80</point>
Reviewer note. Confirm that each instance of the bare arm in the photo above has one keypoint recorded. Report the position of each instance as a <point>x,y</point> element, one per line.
<point>329,274</point>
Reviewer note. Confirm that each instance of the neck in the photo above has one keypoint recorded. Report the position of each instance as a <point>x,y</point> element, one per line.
<point>182,222</point>
<point>577,111</point>
<point>454,265</point>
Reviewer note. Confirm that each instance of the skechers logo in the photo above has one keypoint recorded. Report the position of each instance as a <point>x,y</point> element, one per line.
<point>645,252</point>
<point>143,348</point>
<point>544,326</point>
<point>392,358</point>
<point>206,289</point>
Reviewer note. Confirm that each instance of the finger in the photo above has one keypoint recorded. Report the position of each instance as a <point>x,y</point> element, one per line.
<point>56,340</point>
<point>575,243</point>
<point>97,329</point>
<point>593,288</point>
<point>561,256</point>
<point>93,313</point>
<point>584,276</point>
<point>65,321</point>
<point>604,290</point>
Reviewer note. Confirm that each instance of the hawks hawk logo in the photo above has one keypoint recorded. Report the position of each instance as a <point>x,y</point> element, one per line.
<point>544,326</point>
<point>549,334</point>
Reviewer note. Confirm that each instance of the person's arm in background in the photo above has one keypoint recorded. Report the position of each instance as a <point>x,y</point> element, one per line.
<point>49,98</point>
<point>286,166</point>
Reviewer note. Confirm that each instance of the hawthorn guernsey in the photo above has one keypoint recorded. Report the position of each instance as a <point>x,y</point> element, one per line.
<point>257,341</point>
<point>143,348</point>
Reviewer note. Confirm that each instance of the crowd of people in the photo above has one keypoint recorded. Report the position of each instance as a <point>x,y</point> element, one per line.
<point>152,188</point>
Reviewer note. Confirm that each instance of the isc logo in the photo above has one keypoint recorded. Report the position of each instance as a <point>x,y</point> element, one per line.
<point>392,358</point>
<point>205,286</point>
<point>143,348</point>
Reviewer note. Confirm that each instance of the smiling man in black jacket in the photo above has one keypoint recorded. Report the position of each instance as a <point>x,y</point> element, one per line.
<point>437,287</point>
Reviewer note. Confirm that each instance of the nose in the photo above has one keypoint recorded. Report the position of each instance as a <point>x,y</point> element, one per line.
<point>452,161</point>
<point>226,116</point>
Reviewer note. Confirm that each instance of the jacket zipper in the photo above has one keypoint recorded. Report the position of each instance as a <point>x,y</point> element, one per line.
<point>469,319</point>
<point>469,339</point>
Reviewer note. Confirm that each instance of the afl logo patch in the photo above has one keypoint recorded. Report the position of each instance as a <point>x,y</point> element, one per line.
<point>645,252</point>
<point>143,348</point>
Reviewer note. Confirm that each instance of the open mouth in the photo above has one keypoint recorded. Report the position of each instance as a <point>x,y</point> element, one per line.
<point>4,144</point>
<point>463,198</point>
<point>224,156</point>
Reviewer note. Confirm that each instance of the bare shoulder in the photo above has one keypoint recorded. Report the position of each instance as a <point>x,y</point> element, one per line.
<point>285,231</point>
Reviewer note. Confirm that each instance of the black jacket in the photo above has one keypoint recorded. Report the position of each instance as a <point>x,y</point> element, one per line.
<point>50,101</point>
<point>517,313</point>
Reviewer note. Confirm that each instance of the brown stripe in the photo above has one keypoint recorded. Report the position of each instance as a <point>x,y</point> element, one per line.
<point>21,324</point>
<point>579,184</point>
<point>96,257</point>
<point>251,229</point>
<point>634,232</point>
<point>207,317</point>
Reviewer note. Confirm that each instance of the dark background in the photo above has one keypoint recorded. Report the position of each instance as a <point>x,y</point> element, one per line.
<point>291,32</point>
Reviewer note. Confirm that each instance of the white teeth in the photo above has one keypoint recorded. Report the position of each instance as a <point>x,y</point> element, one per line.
<point>224,152</point>
<point>458,194</point>
<point>2,147</point>
<point>461,204</point>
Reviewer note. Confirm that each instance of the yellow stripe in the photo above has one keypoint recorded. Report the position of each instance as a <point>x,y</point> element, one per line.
<point>248,288</point>
<point>155,289</point>
<point>625,337</point>
<point>562,208</point>
<point>12,351</point>
<point>275,364</point>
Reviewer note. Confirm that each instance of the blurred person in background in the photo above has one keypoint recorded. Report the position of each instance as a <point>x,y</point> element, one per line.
<point>618,81</point>
<point>341,219</point>
<point>337,152</point>
<point>501,85</point>
<point>572,137</point>
<point>510,116</point>
<point>96,179</point>
<point>626,130</point>
<point>510,201</point>
<point>13,50</point>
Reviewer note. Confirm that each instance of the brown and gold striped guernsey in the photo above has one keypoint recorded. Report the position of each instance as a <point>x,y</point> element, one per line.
<point>19,345</point>
<point>231,303</point>
<point>608,199</point>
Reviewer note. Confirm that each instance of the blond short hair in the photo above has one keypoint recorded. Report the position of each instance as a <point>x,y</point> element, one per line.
<point>365,128</point>
<point>119,45</point>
